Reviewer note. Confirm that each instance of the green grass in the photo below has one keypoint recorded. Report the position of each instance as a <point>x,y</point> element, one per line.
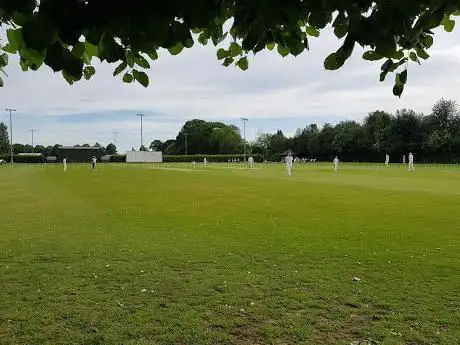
<point>229,256</point>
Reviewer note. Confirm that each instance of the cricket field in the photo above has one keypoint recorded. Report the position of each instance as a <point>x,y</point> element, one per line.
<point>171,254</point>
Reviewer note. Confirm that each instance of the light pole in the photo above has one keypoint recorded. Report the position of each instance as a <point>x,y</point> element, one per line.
<point>11,133</point>
<point>186,135</point>
<point>32,131</point>
<point>115,137</point>
<point>244,119</point>
<point>141,116</point>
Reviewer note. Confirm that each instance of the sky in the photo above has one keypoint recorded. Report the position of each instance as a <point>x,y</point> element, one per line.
<point>285,93</point>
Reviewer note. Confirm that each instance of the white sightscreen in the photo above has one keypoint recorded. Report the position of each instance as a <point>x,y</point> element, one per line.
<point>144,157</point>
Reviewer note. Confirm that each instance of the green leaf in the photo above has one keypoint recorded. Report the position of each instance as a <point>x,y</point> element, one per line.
<point>23,64</point>
<point>203,38</point>
<point>372,56</point>
<point>121,67</point>
<point>235,49</point>
<point>228,61</point>
<point>312,31</point>
<point>222,54</point>
<point>39,35</point>
<point>188,42</point>
<point>128,78</point>
<point>88,72</point>
<point>15,40</point>
<point>153,54</point>
<point>448,24</point>
<point>422,53</point>
<point>91,50</point>
<point>130,58</point>
<point>141,61</point>
<point>270,46</point>
<point>78,50</point>
<point>398,89</point>
<point>403,76</point>
<point>398,55</point>
<point>340,31</point>
<point>283,51</point>
<point>243,63</point>
<point>3,60</point>
<point>414,57</point>
<point>175,50</point>
<point>33,56</point>
<point>427,41</point>
<point>141,77</point>
<point>68,77</point>
<point>333,62</point>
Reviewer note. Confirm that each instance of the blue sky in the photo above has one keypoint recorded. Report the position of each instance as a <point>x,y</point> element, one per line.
<point>286,93</point>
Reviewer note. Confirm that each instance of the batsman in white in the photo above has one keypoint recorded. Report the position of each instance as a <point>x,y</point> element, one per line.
<point>251,162</point>
<point>336,163</point>
<point>411,162</point>
<point>289,159</point>
<point>387,160</point>
<point>64,163</point>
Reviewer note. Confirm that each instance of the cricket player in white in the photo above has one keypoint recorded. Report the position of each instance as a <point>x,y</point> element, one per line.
<point>93,162</point>
<point>64,162</point>
<point>251,162</point>
<point>411,162</point>
<point>205,161</point>
<point>336,163</point>
<point>387,160</point>
<point>289,161</point>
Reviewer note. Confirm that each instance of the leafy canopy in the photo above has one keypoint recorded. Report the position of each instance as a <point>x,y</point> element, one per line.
<point>67,34</point>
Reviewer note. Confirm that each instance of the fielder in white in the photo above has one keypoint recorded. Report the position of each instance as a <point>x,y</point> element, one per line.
<point>387,160</point>
<point>64,162</point>
<point>205,161</point>
<point>336,163</point>
<point>411,162</point>
<point>289,159</point>
<point>251,162</point>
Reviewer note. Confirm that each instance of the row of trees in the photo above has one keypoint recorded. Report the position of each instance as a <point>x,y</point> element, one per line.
<point>110,149</point>
<point>432,138</point>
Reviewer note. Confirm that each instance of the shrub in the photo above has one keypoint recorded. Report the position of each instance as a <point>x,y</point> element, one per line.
<point>24,159</point>
<point>118,158</point>
<point>210,158</point>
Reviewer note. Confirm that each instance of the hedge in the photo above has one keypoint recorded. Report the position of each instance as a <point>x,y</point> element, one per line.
<point>190,158</point>
<point>118,158</point>
<point>24,159</point>
<point>210,158</point>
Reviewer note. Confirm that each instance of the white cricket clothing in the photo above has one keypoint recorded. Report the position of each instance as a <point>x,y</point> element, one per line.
<point>411,162</point>
<point>251,162</point>
<point>336,163</point>
<point>64,162</point>
<point>289,160</point>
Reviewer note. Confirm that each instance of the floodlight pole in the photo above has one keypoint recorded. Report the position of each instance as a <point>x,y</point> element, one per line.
<point>186,135</point>
<point>244,119</point>
<point>10,110</point>
<point>32,131</point>
<point>142,140</point>
<point>115,137</point>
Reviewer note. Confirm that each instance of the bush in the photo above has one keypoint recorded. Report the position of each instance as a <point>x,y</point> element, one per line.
<point>118,159</point>
<point>24,159</point>
<point>210,158</point>
<point>190,158</point>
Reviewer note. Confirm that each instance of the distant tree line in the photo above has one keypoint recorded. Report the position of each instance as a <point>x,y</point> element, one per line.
<point>431,138</point>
